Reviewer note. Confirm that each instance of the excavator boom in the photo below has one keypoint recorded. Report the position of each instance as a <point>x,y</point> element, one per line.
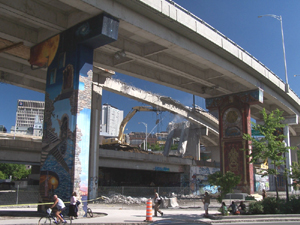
<point>120,139</point>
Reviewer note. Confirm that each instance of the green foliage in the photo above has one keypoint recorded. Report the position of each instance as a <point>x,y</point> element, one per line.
<point>225,182</point>
<point>18,171</point>
<point>156,147</point>
<point>271,145</point>
<point>174,147</point>
<point>295,175</point>
<point>2,176</point>
<point>272,205</point>
<point>292,206</point>
<point>256,208</point>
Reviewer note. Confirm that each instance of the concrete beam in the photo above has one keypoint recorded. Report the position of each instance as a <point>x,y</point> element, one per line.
<point>35,13</point>
<point>20,150</point>
<point>19,33</point>
<point>200,118</point>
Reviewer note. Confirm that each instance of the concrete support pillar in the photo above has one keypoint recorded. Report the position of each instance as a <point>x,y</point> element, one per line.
<point>193,144</point>
<point>215,153</point>
<point>234,122</point>
<point>288,161</point>
<point>183,138</point>
<point>289,120</point>
<point>168,143</point>
<point>94,143</point>
<point>67,132</point>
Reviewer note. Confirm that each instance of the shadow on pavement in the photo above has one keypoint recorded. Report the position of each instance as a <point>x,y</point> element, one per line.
<point>14,213</point>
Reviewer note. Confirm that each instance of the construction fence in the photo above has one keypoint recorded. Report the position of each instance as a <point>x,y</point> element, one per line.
<point>113,195</point>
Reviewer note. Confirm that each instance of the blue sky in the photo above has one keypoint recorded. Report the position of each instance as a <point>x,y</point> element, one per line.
<point>236,19</point>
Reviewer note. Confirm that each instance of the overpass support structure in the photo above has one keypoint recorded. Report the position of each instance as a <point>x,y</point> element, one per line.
<point>234,121</point>
<point>69,138</point>
<point>189,142</point>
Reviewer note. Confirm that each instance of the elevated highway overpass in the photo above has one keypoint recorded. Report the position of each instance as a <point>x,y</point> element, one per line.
<point>22,149</point>
<point>163,43</point>
<point>158,41</point>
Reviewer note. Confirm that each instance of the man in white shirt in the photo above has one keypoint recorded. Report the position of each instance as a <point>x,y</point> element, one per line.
<point>60,205</point>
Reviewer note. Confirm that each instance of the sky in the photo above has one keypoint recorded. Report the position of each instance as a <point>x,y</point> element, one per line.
<point>236,19</point>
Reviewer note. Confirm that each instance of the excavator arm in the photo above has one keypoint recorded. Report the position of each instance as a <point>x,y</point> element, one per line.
<point>129,116</point>
<point>120,139</point>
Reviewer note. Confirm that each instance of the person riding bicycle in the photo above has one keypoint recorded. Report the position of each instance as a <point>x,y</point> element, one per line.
<point>60,205</point>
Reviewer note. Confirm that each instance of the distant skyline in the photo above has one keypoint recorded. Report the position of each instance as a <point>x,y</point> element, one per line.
<point>238,20</point>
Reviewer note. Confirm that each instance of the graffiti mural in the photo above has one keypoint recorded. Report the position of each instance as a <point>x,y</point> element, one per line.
<point>261,183</point>
<point>68,57</point>
<point>199,183</point>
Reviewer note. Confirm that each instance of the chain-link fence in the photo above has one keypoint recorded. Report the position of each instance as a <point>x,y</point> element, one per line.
<point>108,195</point>
<point>18,195</point>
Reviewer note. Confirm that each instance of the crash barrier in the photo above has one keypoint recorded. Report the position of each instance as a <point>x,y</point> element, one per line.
<point>173,202</point>
<point>149,210</point>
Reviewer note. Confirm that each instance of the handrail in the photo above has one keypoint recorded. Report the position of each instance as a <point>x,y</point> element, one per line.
<point>225,37</point>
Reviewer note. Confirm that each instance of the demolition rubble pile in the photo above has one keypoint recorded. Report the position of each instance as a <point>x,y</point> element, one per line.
<point>118,198</point>
<point>128,200</point>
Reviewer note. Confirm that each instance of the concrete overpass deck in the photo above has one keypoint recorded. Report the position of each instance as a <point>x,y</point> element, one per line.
<point>162,42</point>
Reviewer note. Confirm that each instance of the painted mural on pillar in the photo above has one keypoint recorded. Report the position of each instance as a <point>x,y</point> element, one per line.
<point>234,121</point>
<point>66,138</point>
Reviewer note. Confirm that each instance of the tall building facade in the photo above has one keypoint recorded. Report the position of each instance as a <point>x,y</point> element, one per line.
<point>111,120</point>
<point>28,113</point>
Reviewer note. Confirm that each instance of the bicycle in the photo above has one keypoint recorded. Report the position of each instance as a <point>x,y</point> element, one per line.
<point>89,212</point>
<point>51,218</point>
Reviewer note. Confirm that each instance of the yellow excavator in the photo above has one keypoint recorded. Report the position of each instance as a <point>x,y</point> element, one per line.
<point>121,139</point>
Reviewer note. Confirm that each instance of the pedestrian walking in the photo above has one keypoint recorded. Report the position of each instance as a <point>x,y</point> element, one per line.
<point>157,202</point>
<point>264,194</point>
<point>73,209</point>
<point>206,202</point>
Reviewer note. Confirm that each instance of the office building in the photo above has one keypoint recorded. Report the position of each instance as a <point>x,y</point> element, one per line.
<point>28,114</point>
<point>111,120</point>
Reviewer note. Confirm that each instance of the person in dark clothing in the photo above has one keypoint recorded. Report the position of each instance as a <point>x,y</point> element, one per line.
<point>73,209</point>
<point>242,207</point>
<point>233,208</point>
<point>157,202</point>
<point>264,194</point>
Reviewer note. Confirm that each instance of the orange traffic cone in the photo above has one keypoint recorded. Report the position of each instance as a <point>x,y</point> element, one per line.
<point>149,211</point>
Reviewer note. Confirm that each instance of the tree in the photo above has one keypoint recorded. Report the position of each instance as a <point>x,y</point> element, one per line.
<point>17,171</point>
<point>270,145</point>
<point>295,175</point>
<point>2,176</point>
<point>225,182</point>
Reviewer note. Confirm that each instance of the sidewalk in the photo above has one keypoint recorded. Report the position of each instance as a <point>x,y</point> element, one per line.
<point>129,216</point>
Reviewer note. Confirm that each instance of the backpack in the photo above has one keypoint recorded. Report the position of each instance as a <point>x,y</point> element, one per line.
<point>159,201</point>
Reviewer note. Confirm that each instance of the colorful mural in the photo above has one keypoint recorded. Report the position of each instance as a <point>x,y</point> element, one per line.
<point>234,121</point>
<point>66,138</point>
<point>261,182</point>
<point>198,180</point>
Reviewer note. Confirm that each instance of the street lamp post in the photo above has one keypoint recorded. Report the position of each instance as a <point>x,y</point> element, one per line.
<point>145,147</point>
<point>284,57</point>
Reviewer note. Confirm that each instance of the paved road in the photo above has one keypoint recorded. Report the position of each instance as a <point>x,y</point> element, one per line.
<point>267,223</point>
<point>105,214</point>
